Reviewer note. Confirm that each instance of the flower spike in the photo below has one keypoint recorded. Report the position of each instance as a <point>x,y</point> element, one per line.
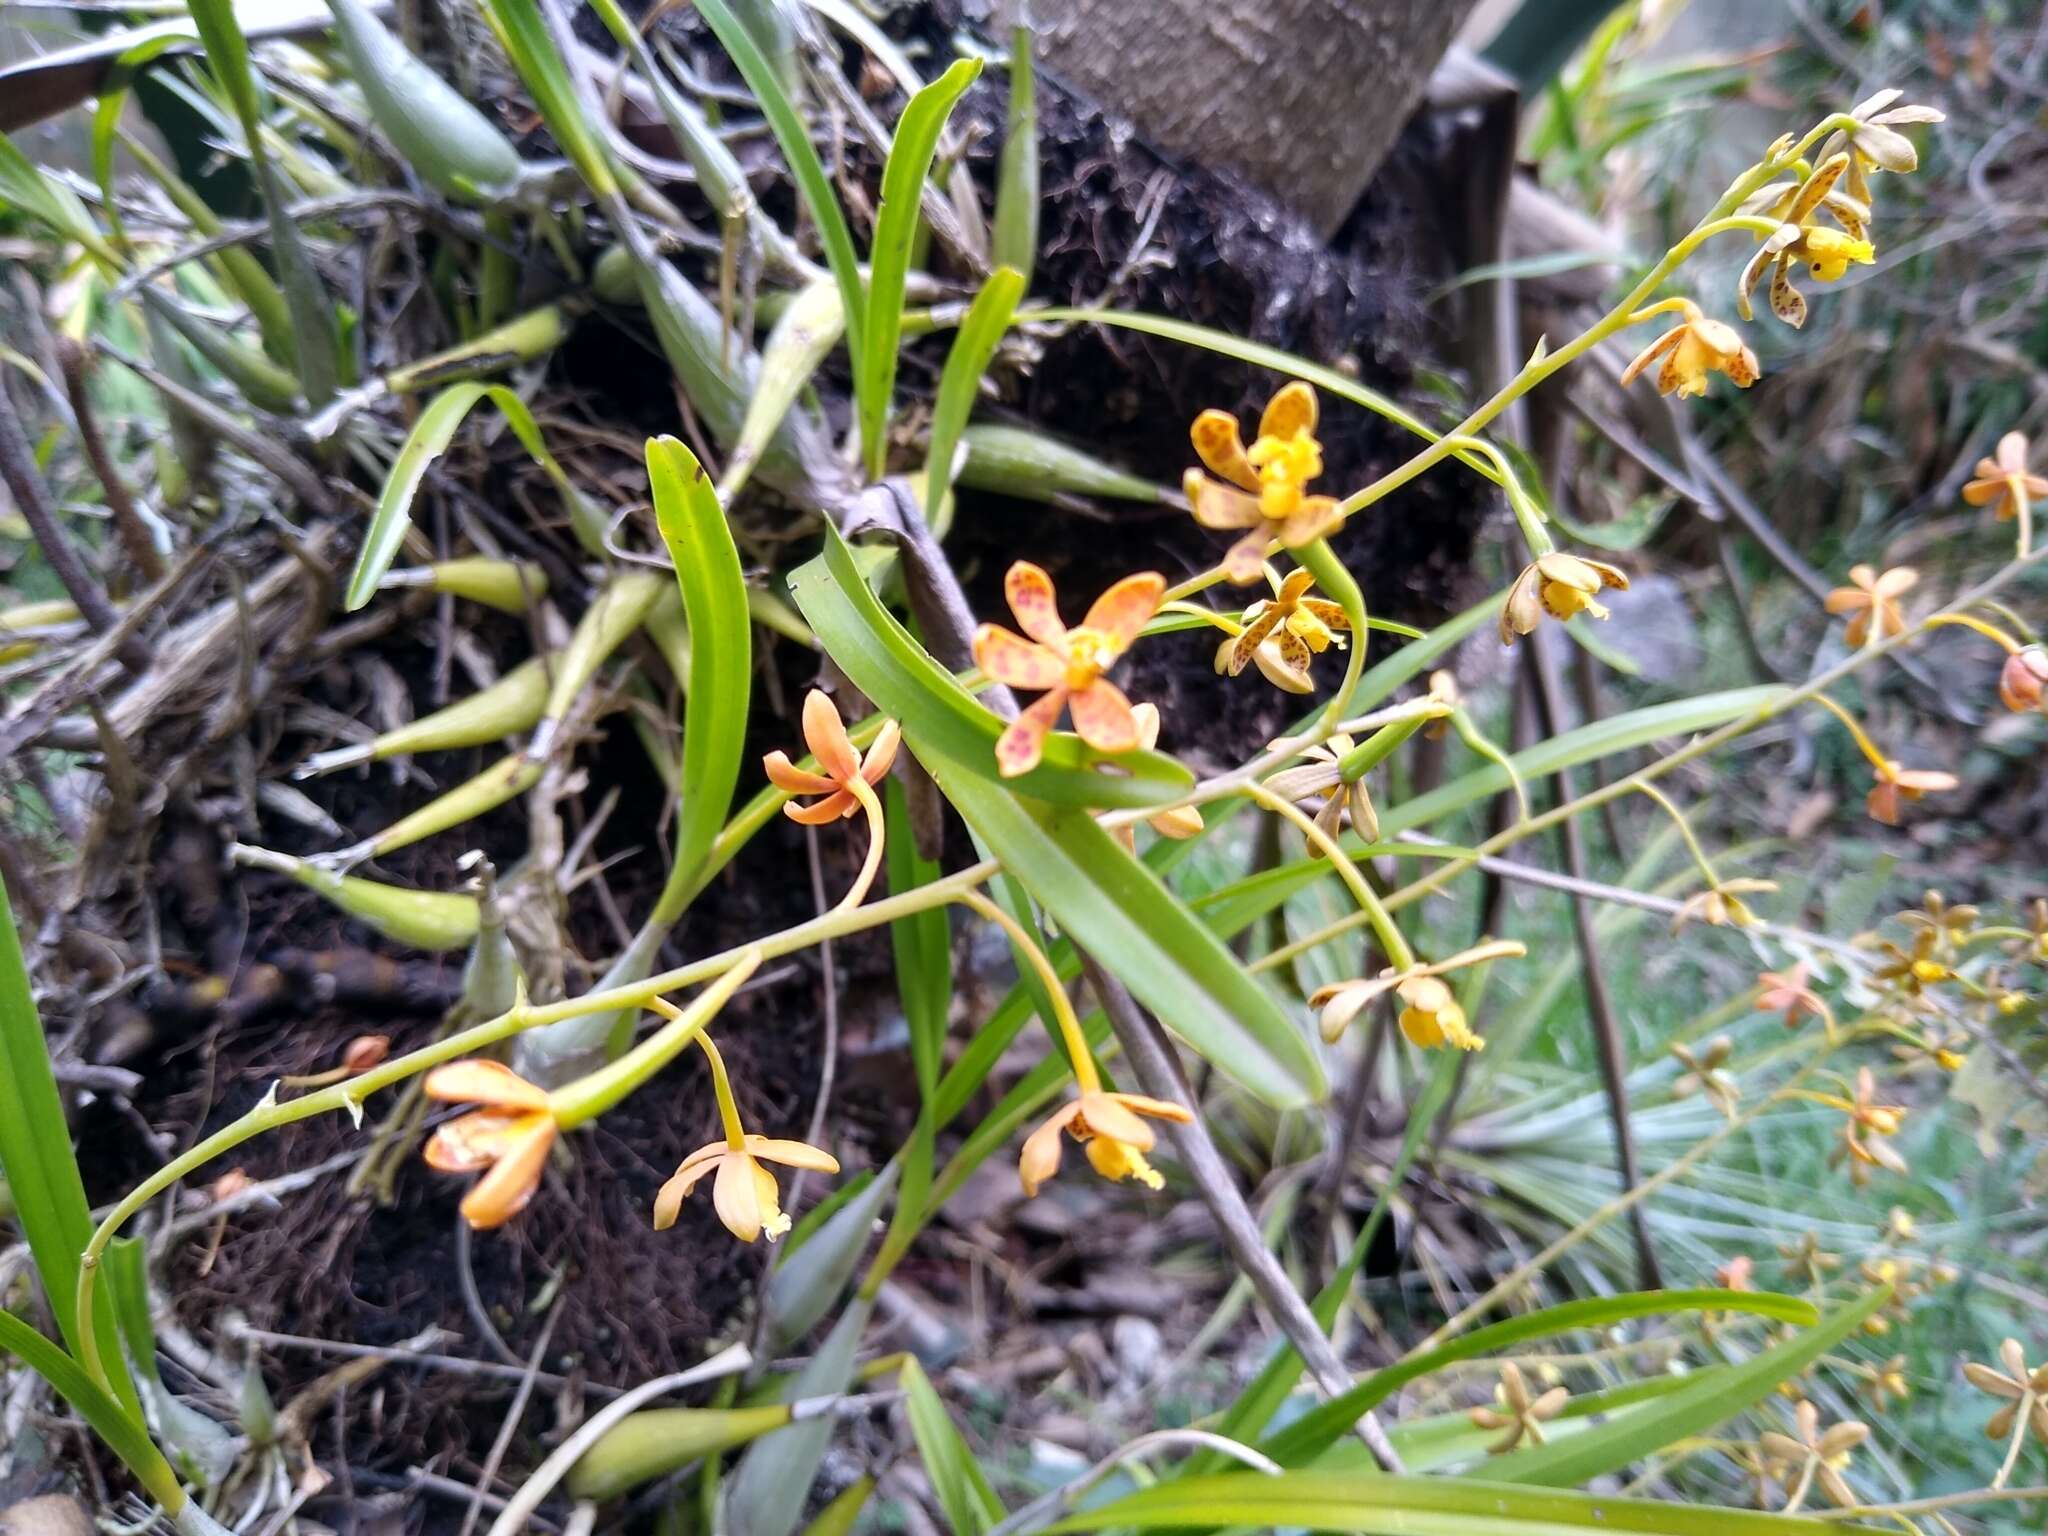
<point>1067,664</point>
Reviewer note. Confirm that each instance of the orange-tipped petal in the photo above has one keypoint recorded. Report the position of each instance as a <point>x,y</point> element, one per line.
<point>1218,445</point>
<point>1031,599</point>
<point>503,1193</point>
<point>1023,740</point>
<point>1040,1159</point>
<point>1292,409</point>
<point>1015,662</point>
<point>1217,505</point>
<point>792,780</point>
<point>794,1154</point>
<point>881,752</point>
<point>825,735</point>
<point>819,813</point>
<point>1103,717</point>
<point>1125,609</point>
<point>477,1081</point>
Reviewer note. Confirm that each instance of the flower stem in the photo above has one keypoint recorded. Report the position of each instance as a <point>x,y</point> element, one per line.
<point>1069,1027</point>
<point>871,803</point>
<point>1392,941</point>
<point>721,1088</point>
<point>1869,748</point>
<point>589,1097</point>
<point>1335,578</point>
<point>1692,842</point>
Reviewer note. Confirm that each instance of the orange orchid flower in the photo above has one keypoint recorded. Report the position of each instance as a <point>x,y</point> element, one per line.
<point>1896,785</point>
<point>2004,483</point>
<point>1873,601</point>
<point>509,1135</point>
<point>1261,488</point>
<point>1112,1133</point>
<point>825,734</point>
<point>1068,664</point>
<point>1787,993</point>
<point>2023,680</point>
<point>744,1193</point>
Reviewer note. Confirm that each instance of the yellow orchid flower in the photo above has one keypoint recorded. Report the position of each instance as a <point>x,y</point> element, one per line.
<point>1721,904</point>
<point>1872,601</point>
<point>1875,143</point>
<point>1296,627</point>
<point>744,1193</point>
<point>1816,1456</point>
<point>1826,253</point>
<point>1560,585</point>
<point>1517,1412</point>
<point>1863,1145</point>
<point>1320,772</point>
<point>509,1135</point>
<point>1263,488</point>
<point>2024,1391</point>
<point>1692,349</point>
<point>1109,1126</point>
<point>1068,664</point>
<point>1430,1015</point>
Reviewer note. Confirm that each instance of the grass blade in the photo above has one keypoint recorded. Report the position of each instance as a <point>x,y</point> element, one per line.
<point>721,642</point>
<point>987,319</point>
<point>1016,233</point>
<point>971,1506</point>
<point>903,179</point>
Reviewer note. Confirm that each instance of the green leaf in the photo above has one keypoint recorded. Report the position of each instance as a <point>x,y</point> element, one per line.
<point>1260,356</point>
<point>923,947</point>
<point>1715,1397</point>
<point>42,1172</point>
<point>315,340</point>
<point>428,440</point>
<point>23,184</point>
<point>1308,1436</point>
<point>721,642</point>
<point>811,1277</point>
<point>804,334</point>
<point>441,135</point>
<point>1139,930</point>
<point>910,162</point>
<point>987,319</point>
<point>114,1424</point>
<point>805,167</point>
<point>902,679</point>
<point>767,1494</point>
<point>838,1517</point>
<point>523,33</point>
<point>1378,1505</point>
<point>971,1506</point>
<point>1016,233</point>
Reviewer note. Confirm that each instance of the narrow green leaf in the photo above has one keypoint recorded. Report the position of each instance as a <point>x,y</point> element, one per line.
<point>1711,1400</point>
<point>42,1171</point>
<point>114,1424</point>
<point>903,177</point>
<point>923,947</point>
<point>1021,462</point>
<point>971,1506</point>
<point>1378,1505</point>
<point>428,440</point>
<point>892,669</point>
<point>1261,356</point>
<point>1308,1436</point>
<point>721,642</point>
<point>811,1277</point>
<point>441,135</point>
<point>987,319</point>
<point>23,184</point>
<point>1016,231</point>
<point>523,33</point>
<point>766,1496</point>
<point>804,165</point>
<point>839,1517</point>
<point>803,336</point>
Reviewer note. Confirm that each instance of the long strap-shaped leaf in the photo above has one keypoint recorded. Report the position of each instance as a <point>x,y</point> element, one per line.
<point>721,642</point>
<point>428,440</point>
<point>892,669</point>
<point>970,1504</point>
<point>41,1170</point>
<point>804,165</point>
<point>1080,874</point>
<point>1307,1437</point>
<point>903,178</point>
<point>1377,1505</point>
<point>987,319</point>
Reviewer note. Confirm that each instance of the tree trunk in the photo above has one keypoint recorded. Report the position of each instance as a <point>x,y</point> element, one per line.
<point>1303,98</point>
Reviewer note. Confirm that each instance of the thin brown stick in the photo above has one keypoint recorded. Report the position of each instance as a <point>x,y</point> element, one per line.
<point>129,527</point>
<point>25,482</point>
